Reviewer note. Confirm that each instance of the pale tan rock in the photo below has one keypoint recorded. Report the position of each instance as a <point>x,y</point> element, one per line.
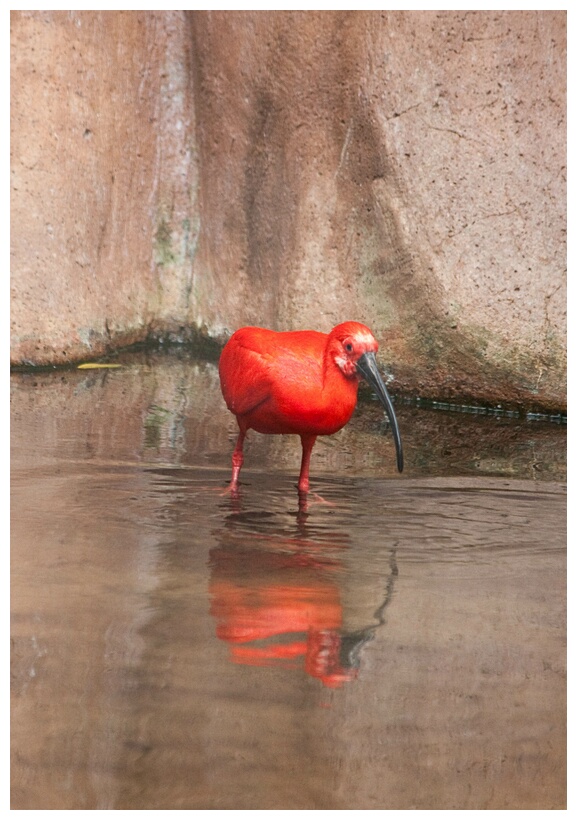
<point>102,172</point>
<point>192,172</point>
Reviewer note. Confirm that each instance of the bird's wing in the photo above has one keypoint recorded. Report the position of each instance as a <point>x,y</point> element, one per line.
<point>256,363</point>
<point>244,371</point>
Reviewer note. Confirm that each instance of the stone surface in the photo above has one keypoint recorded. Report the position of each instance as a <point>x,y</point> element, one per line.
<point>194,172</point>
<point>102,171</point>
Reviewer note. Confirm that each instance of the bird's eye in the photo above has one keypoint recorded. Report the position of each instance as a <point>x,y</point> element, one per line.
<point>349,347</point>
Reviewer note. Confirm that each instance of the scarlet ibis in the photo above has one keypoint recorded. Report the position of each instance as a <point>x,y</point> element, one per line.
<point>301,382</point>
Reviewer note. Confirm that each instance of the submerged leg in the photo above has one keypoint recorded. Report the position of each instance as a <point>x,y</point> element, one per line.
<point>308,442</point>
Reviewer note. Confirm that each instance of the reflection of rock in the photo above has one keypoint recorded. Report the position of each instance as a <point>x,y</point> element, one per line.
<point>170,409</point>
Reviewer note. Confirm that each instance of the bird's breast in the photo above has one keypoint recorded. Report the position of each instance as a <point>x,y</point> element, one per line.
<point>303,411</point>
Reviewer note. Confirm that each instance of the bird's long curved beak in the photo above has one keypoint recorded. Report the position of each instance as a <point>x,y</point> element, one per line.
<point>367,367</point>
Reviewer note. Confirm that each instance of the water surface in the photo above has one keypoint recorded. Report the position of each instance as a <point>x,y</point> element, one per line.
<point>399,643</point>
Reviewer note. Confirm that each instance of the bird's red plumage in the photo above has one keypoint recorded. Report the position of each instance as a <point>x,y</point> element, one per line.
<point>301,382</point>
<point>278,382</point>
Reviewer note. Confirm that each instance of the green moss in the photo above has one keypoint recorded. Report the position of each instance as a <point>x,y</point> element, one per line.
<point>163,249</point>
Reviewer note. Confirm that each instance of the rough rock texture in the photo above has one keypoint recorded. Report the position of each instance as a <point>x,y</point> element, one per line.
<point>210,169</point>
<point>405,169</point>
<point>102,171</point>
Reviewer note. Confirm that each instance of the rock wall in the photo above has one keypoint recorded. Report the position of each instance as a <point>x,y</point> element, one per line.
<point>103,171</point>
<point>196,171</point>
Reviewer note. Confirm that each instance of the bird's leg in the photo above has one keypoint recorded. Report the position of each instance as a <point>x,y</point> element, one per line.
<point>308,442</point>
<point>237,461</point>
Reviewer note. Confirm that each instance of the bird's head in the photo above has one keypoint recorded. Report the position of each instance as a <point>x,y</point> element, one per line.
<point>348,342</point>
<point>352,348</point>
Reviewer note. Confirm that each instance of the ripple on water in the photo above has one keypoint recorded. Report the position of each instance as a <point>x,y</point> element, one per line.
<point>394,642</point>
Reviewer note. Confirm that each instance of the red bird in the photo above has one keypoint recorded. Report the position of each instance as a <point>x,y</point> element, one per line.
<point>301,382</point>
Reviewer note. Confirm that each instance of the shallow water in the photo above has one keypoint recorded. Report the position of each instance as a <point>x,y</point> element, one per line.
<point>398,644</point>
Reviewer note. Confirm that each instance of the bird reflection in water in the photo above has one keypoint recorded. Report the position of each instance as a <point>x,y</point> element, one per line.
<point>276,599</point>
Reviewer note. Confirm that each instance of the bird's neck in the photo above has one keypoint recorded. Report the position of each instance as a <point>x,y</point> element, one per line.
<point>335,380</point>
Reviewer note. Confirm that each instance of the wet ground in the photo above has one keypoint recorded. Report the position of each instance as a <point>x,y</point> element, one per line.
<point>398,644</point>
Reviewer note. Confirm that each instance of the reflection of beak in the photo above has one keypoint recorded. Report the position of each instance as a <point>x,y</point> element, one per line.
<point>367,367</point>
